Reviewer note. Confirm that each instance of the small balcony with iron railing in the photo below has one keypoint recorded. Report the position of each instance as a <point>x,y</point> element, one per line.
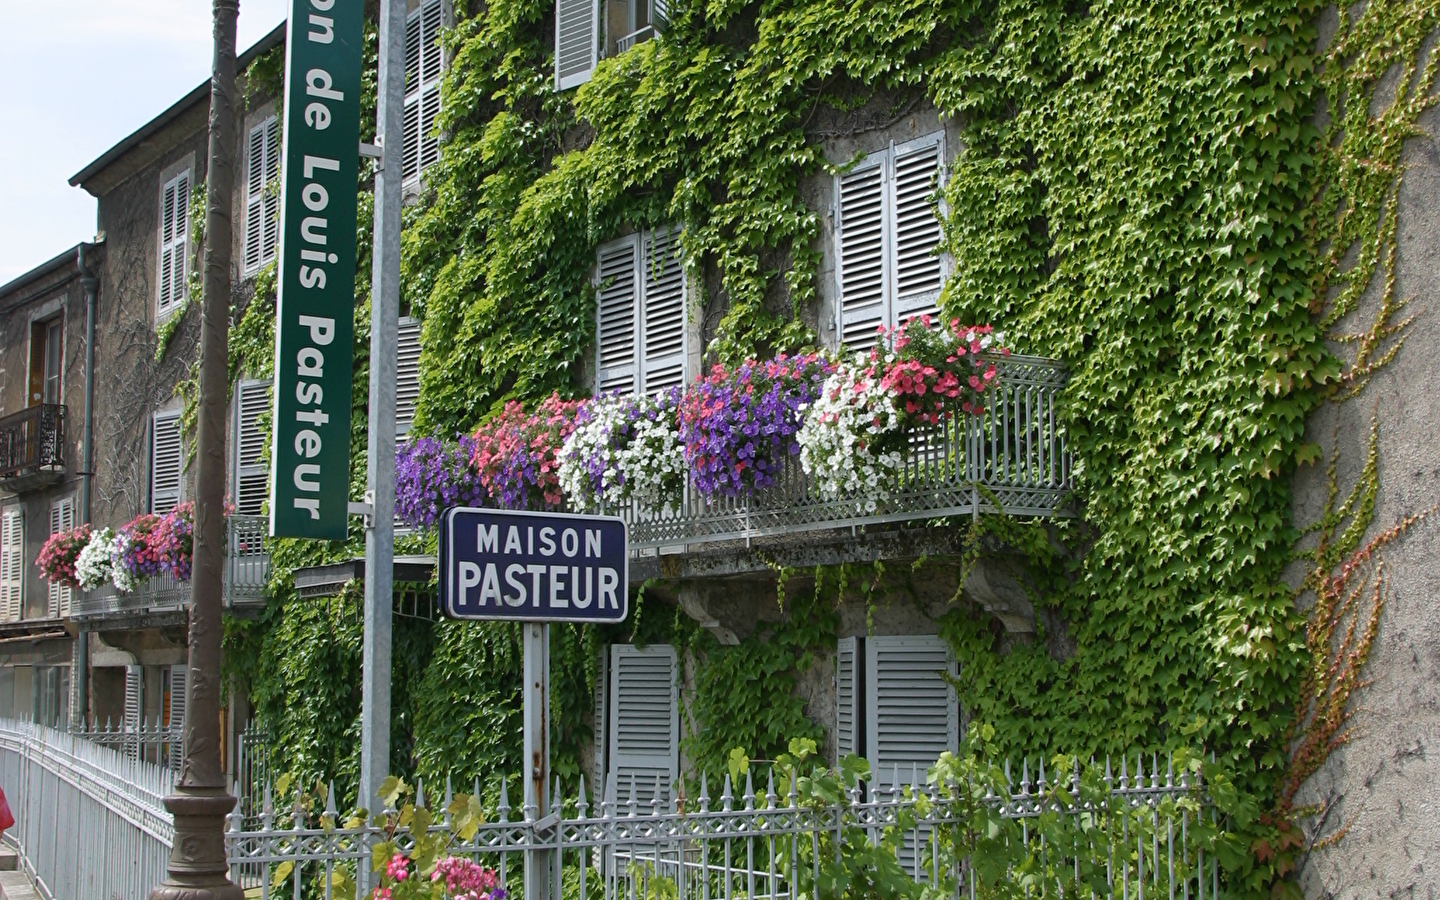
<point>245,577</point>
<point>32,447</point>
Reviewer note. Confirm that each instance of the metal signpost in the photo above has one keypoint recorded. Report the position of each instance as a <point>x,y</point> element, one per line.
<point>314,329</point>
<point>535,568</point>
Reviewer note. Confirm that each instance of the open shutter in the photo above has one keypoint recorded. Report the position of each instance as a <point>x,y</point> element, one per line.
<point>407,374</point>
<point>916,227</point>
<point>424,64</point>
<point>577,41</point>
<point>660,15</point>
<point>62,518</point>
<point>261,206</point>
<point>134,706</point>
<point>270,225</point>
<point>860,276</point>
<point>911,714</point>
<point>176,713</point>
<point>12,572</point>
<point>602,719</point>
<point>847,698</point>
<point>165,460</point>
<point>662,311</point>
<point>174,230</point>
<point>616,316</point>
<point>251,484</point>
<point>644,739</point>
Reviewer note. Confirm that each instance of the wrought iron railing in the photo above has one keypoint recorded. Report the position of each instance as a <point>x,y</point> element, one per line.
<point>32,440</point>
<point>1012,459</point>
<point>246,575</point>
<point>151,741</point>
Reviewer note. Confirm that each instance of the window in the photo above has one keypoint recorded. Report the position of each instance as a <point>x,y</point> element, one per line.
<point>174,236</point>
<point>641,334</point>
<point>578,25</point>
<point>12,564</point>
<point>887,234</point>
<point>641,722</point>
<point>423,66</point>
<point>134,706</point>
<point>628,22</point>
<point>173,708</point>
<point>262,205</point>
<point>47,354</point>
<point>911,712</point>
<point>165,463</point>
<point>407,374</point>
<point>848,691</point>
<point>62,518</point>
<point>250,486</point>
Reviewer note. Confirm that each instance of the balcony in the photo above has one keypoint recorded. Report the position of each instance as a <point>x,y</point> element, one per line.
<point>32,447</point>
<point>163,599</point>
<point>1012,459</point>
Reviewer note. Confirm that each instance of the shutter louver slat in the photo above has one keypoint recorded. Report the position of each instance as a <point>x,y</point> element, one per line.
<point>407,374</point>
<point>616,301</point>
<point>252,475</point>
<point>165,464</point>
<point>577,38</point>
<point>860,263</point>
<point>663,306</point>
<point>644,720</point>
<point>917,269</point>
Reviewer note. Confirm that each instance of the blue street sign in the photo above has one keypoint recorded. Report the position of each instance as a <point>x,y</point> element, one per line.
<point>533,567</point>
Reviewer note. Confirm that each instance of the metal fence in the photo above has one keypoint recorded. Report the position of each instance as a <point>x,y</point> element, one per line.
<point>245,578</point>
<point>32,439</point>
<point>90,823</point>
<point>150,741</point>
<point>749,845</point>
<point>1012,458</point>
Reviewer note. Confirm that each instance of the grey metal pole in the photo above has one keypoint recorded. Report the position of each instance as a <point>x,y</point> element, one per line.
<point>197,869</point>
<point>80,661</point>
<point>380,448</point>
<point>536,712</point>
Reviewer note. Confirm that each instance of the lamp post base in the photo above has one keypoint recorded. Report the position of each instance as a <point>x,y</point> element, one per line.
<point>197,869</point>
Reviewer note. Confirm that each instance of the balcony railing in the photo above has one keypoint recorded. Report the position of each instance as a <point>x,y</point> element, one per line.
<point>246,574</point>
<point>1011,459</point>
<point>32,440</point>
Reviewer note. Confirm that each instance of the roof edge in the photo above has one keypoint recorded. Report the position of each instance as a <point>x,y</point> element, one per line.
<point>198,95</point>
<point>50,266</point>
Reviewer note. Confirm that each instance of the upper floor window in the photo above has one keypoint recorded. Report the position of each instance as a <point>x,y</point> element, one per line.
<point>47,354</point>
<point>62,518</point>
<point>580,26</point>
<point>262,205</point>
<point>166,462</point>
<point>12,564</point>
<point>641,338</point>
<point>887,237</point>
<point>174,238</point>
<point>250,485</point>
<point>424,64</point>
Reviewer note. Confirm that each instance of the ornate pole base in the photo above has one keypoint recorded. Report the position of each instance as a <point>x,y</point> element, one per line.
<point>197,869</point>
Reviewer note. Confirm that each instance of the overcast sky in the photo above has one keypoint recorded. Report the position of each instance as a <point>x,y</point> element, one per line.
<point>76,77</point>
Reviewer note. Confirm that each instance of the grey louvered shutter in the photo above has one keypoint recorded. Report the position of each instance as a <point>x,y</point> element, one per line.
<point>848,691</point>
<point>662,312</point>
<point>251,485</point>
<point>577,41</point>
<point>911,712</point>
<point>424,64</point>
<point>644,739</point>
<point>616,320</point>
<point>407,374</point>
<point>176,712</point>
<point>270,225</point>
<point>165,463</point>
<point>860,256</point>
<point>660,15</point>
<point>254,197</point>
<point>602,721</point>
<point>134,706</point>
<point>12,571</point>
<point>916,227</point>
<point>174,232</point>
<point>62,518</point>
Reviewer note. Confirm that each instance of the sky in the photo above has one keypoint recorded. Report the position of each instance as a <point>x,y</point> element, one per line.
<point>77,77</point>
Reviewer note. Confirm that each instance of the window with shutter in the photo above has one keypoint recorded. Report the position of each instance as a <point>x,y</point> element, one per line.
<point>642,334</point>
<point>424,64</point>
<point>165,463</point>
<point>175,712</point>
<point>848,687</point>
<point>887,239</point>
<point>644,734</point>
<point>174,236</point>
<point>134,704</point>
<point>12,566</point>
<point>62,518</point>
<point>407,374</point>
<point>250,484</point>
<point>577,41</point>
<point>262,204</point>
<point>911,712</point>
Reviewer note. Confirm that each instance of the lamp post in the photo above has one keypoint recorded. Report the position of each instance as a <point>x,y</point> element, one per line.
<point>197,868</point>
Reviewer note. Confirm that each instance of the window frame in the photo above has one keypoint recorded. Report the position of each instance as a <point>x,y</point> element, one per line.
<point>647,373</point>
<point>166,299</point>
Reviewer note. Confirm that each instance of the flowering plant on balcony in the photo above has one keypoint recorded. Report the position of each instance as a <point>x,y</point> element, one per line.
<point>172,540</point>
<point>625,448</point>
<point>931,370</point>
<point>739,424</point>
<point>852,441</point>
<point>132,557</point>
<point>516,453</point>
<point>92,566</point>
<point>431,476</point>
<point>57,558</point>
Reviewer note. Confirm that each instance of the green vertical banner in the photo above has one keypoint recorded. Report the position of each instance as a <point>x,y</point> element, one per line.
<point>314,331</point>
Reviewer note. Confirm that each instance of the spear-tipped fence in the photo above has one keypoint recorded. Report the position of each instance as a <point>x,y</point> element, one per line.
<point>151,741</point>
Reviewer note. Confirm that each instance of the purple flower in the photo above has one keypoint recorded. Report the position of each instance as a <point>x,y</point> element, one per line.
<point>431,477</point>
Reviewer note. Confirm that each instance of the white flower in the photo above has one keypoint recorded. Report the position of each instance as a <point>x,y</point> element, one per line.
<point>92,566</point>
<point>631,447</point>
<point>124,582</point>
<point>841,435</point>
